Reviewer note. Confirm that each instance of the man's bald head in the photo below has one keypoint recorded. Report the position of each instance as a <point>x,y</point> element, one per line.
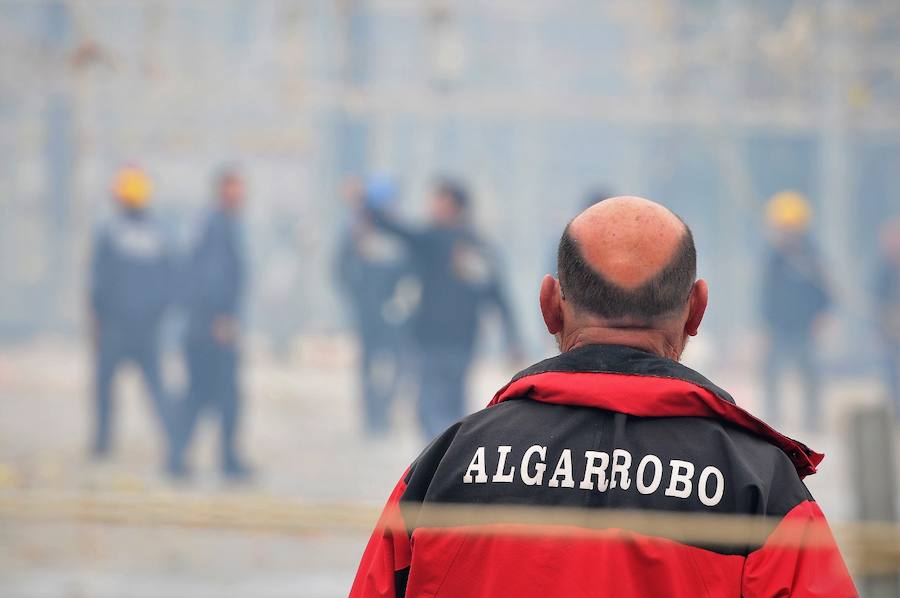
<point>627,260</point>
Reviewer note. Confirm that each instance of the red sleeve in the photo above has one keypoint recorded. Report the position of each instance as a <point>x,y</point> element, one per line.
<point>387,553</point>
<point>800,559</point>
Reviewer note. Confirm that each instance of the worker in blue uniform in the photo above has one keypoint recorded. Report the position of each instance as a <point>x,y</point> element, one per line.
<point>460,279</point>
<point>795,297</point>
<point>129,292</point>
<point>370,269</point>
<point>215,281</point>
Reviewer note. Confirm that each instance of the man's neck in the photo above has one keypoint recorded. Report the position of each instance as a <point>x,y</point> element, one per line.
<point>645,339</point>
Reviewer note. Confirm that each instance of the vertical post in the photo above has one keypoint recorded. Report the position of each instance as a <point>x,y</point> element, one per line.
<point>839,214</point>
<point>59,157</point>
<point>873,467</point>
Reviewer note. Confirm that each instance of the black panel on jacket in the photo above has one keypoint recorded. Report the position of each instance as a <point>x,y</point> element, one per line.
<point>742,472</point>
<point>759,479</point>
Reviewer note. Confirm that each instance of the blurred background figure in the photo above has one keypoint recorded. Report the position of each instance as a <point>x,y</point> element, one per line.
<point>460,278</point>
<point>369,268</point>
<point>215,281</point>
<point>887,295</point>
<point>130,283</point>
<point>795,296</point>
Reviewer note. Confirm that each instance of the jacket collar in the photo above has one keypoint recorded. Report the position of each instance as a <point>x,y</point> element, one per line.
<point>638,383</point>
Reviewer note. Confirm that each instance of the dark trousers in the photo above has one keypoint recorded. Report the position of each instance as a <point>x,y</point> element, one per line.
<point>213,386</point>
<point>442,387</point>
<point>116,347</point>
<point>792,352</point>
<point>379,377</point>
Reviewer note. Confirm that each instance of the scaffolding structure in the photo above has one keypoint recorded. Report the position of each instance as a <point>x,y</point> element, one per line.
<point>707,105</point>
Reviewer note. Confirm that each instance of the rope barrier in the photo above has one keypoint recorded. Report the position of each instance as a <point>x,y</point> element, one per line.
<point>871,548</point>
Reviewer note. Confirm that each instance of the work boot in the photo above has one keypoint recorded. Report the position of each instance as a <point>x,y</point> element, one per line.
<point>237,471</point>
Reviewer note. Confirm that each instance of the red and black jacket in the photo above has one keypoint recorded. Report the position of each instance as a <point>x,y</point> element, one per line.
<point>606,427</point>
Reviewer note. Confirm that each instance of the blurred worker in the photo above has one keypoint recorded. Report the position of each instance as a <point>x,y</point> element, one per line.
<point>370,267</point>
<point>887,294</point>
<point>614,422</point>
<point>459,277</point>
<point>130,283</point>
<point>795,297</point>
<point>215,277</point>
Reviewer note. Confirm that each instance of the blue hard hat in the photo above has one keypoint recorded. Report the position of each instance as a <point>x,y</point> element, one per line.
<point>380,191</point>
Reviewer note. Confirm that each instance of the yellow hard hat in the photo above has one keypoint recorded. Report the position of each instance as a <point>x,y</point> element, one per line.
<point>789,210</point>
<point>132,187</point>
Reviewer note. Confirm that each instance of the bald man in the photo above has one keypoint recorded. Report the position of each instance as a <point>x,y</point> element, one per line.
<point>614,422</point>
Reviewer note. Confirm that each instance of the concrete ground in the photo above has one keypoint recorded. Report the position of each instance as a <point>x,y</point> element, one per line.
<point>302,433</point>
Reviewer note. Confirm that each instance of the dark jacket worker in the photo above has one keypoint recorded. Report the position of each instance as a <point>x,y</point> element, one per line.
<point>131,276</point>
<point>460,280</point>
<point>216,284</point>
<point>614,422</point>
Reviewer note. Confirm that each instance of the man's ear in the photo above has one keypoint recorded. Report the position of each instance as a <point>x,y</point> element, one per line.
<point>551,304</point>
<point>696,307</point>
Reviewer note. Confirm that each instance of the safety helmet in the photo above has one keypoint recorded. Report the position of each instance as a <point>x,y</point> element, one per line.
<point>132,187</point>
<point>789,210</point>
<point>380,191</point>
